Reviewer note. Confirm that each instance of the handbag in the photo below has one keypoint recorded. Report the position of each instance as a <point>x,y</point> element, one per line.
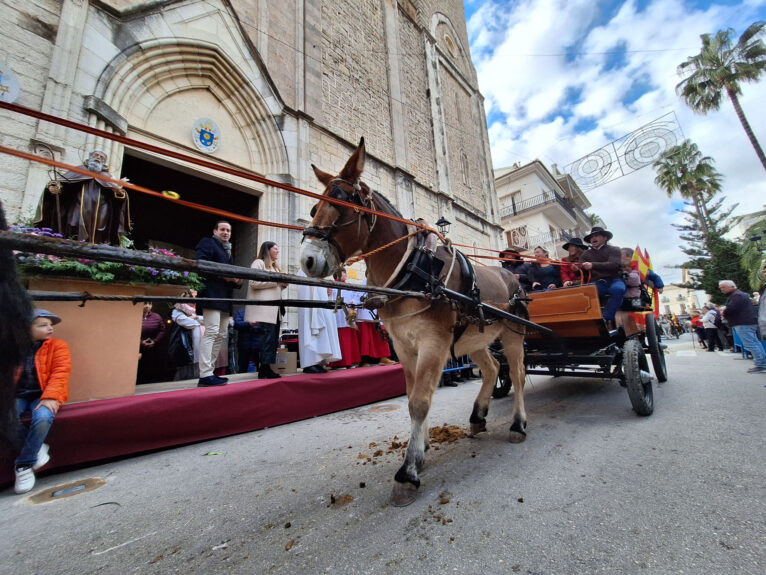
<point>180,347</point>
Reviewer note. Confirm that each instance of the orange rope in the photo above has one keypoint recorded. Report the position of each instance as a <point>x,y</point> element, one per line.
<point>85,172</point>
<point>186,158</point>
<point>352,261</point>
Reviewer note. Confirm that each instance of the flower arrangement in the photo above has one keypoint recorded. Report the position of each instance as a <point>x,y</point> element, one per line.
<point>100,271</point>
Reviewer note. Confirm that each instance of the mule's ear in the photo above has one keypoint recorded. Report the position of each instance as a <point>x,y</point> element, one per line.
<point>353,169</point>
<point>323,177</point>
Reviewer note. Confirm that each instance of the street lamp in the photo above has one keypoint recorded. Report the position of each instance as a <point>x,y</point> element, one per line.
<point>443,224</point>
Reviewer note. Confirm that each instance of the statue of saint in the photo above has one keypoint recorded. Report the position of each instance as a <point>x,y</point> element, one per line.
<point>86,207</point>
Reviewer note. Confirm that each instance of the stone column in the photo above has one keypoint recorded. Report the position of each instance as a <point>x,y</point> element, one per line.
<point>57,97</point>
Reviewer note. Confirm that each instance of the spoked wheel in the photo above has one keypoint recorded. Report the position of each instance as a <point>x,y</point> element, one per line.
<point>639,386</point>
<point>502,383</point>
<point>655,352</point>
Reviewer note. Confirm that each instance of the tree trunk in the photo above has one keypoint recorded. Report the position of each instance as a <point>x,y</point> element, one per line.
<point>746,126</point>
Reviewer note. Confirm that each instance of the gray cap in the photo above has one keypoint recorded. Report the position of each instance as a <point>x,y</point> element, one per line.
<point>45,313</point>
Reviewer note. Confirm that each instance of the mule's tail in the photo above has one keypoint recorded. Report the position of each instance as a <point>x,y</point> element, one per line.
<point>15,338</point>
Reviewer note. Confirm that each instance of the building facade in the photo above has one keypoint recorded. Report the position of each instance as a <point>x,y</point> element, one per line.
<point>540,207</point>
<point>286,84</point>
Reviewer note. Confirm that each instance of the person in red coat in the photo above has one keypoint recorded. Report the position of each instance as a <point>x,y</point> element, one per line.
<point>42,388</point>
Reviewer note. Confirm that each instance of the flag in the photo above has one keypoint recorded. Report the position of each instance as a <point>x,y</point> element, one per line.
<point>640,262</point>
<point>655,293</point>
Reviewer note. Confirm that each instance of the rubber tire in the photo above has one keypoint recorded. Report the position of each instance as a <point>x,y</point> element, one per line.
<point>655,352</point>
<point>633,361</point>
<point>503,384</point>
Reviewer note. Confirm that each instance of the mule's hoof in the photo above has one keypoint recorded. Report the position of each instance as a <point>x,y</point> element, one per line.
<point>516,436</point>
<point>403,494</point>
<point>477,428</point>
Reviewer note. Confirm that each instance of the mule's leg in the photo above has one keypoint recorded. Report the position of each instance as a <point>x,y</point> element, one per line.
<point>430,362</point>
<point>513,346</point>
<point>489,367</point>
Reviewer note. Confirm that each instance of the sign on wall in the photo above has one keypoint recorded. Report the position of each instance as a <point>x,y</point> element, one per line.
<point>206,135</point>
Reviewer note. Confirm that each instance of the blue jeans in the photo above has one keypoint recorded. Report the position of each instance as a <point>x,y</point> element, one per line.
<point>615,289</point>
<point>31,439</point>
<point>746,334</point>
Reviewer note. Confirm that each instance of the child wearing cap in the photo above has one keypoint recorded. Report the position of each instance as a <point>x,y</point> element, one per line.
<point>42,388</point>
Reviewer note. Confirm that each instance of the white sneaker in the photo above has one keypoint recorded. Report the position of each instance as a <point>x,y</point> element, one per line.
<point>25,480</point>
<point>42,457</point>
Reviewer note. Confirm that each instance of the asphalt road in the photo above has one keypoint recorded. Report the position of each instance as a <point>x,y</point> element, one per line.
<point>594,489</point>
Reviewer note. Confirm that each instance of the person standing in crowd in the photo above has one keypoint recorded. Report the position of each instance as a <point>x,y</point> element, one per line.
<point>574,248</point>
<point>603,264</point>
<point>699,331</point>
<point>152,363</point>
<point>215,315</point>
<point>317,331</point>
<point>348,332</point>
<point>42,388</point>
<point>513,263</point>
<point>268,317</point>
<point>742,317</point>
<point>248,342</point>
<point>708,324</point>
<point>185,316</point>
<point>762,307</point>
<point>542,274</point>
<point>373,347</point>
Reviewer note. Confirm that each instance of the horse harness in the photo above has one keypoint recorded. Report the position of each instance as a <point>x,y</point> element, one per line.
<point>422,269</point>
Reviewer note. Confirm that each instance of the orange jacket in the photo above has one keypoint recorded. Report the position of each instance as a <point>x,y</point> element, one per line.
<point>54,364</point>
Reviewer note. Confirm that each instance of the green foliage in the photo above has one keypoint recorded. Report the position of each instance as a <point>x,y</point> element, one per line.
<point>724,264</point>
<point>753,253</point>
<point>720,68</point>
<point>100,271</point>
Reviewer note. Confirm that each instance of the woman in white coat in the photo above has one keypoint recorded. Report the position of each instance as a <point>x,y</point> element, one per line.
<point>268,317</point>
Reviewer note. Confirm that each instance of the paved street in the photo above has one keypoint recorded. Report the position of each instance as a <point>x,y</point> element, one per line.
<point>594,489</point>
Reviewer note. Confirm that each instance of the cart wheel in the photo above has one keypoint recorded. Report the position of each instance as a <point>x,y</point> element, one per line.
<point>639,391</point>
<point>657,355</point>
<point>502,384</point>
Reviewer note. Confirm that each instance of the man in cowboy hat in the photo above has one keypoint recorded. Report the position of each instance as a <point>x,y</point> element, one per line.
<point>602,264</point>
<point>570,276</point>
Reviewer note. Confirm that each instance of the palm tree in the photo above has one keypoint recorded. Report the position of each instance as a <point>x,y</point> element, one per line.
<point>753,258</point>
<point>685,170</point>
<point>721,67</point>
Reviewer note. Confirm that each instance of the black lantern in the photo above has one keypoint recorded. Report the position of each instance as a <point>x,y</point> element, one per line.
<point>443,224</point>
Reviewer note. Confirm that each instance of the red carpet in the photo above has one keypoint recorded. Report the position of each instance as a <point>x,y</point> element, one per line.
<point>101,429</point>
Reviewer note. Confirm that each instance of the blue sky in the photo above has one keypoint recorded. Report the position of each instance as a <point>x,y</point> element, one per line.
<point>562,78</point>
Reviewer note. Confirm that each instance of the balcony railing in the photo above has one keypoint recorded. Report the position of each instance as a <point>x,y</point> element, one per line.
<point>552,237</point>
<point>535,202</point>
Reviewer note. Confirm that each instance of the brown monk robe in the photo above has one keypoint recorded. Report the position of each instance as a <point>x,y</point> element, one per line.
<point>86,207</point>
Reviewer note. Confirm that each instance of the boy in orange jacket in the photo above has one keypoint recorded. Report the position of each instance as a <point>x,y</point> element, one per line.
<point>42,388</point>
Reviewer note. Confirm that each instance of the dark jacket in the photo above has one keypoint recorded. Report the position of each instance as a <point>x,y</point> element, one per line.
<point>249,335</point>
<point>740,310</point>
<point>607,263</point>
<point>522,270</point>
<point>545,276</point>
<point>211,250</point>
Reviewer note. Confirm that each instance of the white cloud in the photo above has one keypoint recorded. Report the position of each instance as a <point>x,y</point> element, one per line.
<point>544,99</point>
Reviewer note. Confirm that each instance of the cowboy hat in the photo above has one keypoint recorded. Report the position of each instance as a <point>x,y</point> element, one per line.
<point>598,230</point>
<point>575,242</point>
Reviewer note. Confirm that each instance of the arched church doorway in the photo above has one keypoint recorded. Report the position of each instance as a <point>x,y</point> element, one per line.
<point>164,224</point>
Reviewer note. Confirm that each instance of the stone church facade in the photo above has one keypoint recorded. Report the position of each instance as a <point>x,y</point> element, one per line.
<point>289,84</point>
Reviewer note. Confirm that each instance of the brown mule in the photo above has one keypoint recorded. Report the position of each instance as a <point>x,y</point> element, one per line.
<point>422,330</point>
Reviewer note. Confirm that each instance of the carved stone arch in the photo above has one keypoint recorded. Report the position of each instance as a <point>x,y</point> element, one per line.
<point>449,41</point>
<point>143,76</point>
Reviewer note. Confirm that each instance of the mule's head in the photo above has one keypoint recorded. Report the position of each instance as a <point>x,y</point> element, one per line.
<point>337,231</point>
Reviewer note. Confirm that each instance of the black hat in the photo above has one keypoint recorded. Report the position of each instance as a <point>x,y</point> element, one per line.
<point>598,230</point>
<point>575,242</point>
